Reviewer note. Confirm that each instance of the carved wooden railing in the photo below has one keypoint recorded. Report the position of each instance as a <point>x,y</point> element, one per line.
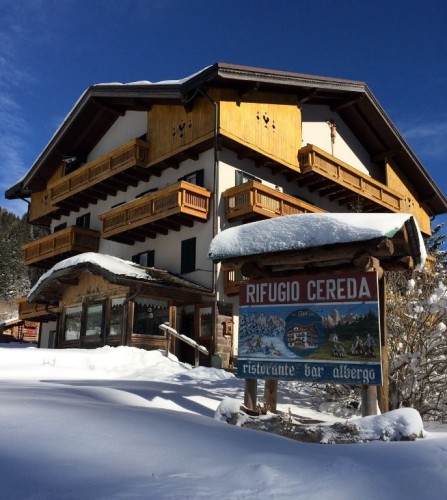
<point>131,154</point>
<point>71,240</point>
<point>180,198</point>
<point>253,198</point>
<point>314,160</point>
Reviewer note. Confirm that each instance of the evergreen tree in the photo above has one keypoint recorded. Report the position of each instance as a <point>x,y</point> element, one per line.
<point>15,277</point>
<point>436,245</point>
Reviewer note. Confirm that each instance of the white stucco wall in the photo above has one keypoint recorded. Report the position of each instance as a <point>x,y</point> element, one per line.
<point>316,131</point>
<point>45,329</point>
<point>130,126</point>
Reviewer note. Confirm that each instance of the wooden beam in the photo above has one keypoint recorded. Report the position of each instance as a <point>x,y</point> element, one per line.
<point>346,104</point>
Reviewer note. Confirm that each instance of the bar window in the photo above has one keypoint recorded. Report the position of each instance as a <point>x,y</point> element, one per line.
<point>205,321</point>
<point>148,315</point>
<point>116,317</point>
<point>93,319</point>
<point>72,323</point>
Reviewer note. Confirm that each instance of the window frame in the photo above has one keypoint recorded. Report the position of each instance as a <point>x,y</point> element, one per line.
<point>241,177</point>
<point>188,255</point>
<point>83,220</point>
<point>198,175</point>
<point>150,257</point>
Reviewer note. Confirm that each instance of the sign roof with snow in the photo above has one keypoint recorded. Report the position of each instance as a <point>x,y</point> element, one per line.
<point>304,233</point>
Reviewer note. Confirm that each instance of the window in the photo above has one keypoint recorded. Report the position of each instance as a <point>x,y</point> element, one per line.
<point>196,178</point>
<point>117,204</point>
<point>93,319</point>
<point>188,257</point>
<point>148,315</point>
<point>145,259</point>
<point>72,323</point>
<point>146,192</point>
<point>83,220</point>
<point>205,321</point>
<point>116,317</point>
<point>242,177</point>
<point>59,227</point>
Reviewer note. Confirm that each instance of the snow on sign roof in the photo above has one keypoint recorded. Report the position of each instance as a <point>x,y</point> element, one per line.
<point>303,231</point>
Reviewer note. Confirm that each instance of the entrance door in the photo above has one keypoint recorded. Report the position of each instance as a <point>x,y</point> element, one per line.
<point>185,352</point>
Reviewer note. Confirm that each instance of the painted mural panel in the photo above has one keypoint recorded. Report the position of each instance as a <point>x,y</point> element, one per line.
<point>321,328</point>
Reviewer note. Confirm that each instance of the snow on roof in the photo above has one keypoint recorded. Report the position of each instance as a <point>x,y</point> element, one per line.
<point>112,264</point>
<point>302,231</point>
<point>116,267</point>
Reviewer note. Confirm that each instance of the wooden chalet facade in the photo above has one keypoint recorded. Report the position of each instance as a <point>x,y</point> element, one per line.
<point>19,330</point>
<point>150,173</point>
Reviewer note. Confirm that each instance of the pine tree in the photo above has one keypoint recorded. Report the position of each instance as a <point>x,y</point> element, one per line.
<point>15,277</point>
<point>436,245</point>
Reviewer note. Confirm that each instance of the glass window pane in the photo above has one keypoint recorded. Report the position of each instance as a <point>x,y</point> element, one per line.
<point>149,314</point>
<point>72,327</point>
<point>116,317</point>
<point>206,323</point>
<point>188,256</point>
<point>93,322</point>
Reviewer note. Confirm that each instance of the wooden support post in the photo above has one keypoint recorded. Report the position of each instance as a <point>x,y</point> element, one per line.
<point>383,390</point>
<point>271,394</point>
<point>168,341</point>
<point>369,400</point>
<point>196,357</point>
<point>251,393</point>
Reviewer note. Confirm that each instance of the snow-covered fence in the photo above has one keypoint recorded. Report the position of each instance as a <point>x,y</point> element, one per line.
<point>197,347</point>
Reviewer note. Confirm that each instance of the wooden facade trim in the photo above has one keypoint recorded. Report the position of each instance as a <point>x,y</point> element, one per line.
<point>253,200</point>
<point>73,240</point>
<point>341,182</point>
<point>168,208</point>
<point>36,312</point>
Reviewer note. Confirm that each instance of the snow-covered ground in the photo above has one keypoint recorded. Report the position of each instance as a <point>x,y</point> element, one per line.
<point>123,423</point>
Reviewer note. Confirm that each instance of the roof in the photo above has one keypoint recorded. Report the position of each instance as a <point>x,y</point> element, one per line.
<point>51,285</point>
<point>100,105</point>
<point>311,234</point>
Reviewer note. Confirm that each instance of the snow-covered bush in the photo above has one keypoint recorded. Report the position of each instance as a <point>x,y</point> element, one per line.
<point>417,341</point>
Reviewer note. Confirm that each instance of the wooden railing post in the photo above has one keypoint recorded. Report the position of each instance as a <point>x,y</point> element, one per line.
<point>271,394</point>
<point>168,340</point>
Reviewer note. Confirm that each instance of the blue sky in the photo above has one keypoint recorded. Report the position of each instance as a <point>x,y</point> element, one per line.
<point>52,50</point>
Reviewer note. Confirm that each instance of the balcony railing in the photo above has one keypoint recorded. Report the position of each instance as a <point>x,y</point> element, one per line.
<point>46,251</point>
<point>157,212</point>
<point>344,183</point>
<point>132,155</point>
<point>253,200</point>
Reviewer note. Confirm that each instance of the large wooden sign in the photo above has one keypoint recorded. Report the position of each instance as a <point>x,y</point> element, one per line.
<point>321,328</point>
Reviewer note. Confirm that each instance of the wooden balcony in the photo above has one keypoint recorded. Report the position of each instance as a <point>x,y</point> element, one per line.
<point>253,200</point>
<point>46,251</point>
<point>116,171</point>
<point>35,312</point>
<point>232,280</point>
<point>156,213</point>
<point>340,182</point>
